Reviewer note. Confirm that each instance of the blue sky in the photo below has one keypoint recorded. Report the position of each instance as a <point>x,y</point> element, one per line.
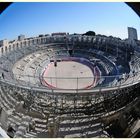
<point>32,19</point>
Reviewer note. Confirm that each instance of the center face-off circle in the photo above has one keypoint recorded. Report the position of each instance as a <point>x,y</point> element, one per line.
<point>68,75</point>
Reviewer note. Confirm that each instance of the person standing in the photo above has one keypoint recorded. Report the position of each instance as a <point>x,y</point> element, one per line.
<point>2,75</point>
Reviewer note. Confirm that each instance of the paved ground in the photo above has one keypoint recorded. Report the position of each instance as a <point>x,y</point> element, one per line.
<point>68,75</point>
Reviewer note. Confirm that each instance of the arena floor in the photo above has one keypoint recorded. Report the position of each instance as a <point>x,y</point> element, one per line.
<point>68,75</point>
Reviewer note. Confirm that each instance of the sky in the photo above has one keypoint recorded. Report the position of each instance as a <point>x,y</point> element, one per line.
<point>32,19</point>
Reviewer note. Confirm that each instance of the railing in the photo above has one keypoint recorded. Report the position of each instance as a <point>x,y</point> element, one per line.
<point>73,85</point>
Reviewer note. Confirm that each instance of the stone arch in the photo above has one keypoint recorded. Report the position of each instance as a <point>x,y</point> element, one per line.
<point>2,50</point>
<point>9,48</point>
<point>14,47</point>
<point>6,49</point>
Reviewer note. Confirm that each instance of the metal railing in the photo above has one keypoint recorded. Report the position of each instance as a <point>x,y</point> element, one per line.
<point>74,85</point>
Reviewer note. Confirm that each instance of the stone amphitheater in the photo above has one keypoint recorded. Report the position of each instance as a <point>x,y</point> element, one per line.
<point>95,94</point>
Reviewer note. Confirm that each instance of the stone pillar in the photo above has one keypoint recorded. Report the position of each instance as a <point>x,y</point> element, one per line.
<point>53,128</point>
<point>4,118</point>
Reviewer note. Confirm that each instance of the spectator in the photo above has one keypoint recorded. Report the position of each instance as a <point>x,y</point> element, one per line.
<point>2,75</point>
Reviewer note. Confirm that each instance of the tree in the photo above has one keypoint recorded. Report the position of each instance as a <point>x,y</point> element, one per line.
<point>90,33</point>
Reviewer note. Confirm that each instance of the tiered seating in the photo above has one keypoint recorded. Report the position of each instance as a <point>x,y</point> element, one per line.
<point>105,67</point>
<point>24,127</point>
<point>135,64</point>
<point>7,101</point>
<point>42,109</point>
<point>79,127</point>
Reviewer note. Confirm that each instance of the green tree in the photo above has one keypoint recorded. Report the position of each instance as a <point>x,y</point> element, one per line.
<point>90,33</point>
